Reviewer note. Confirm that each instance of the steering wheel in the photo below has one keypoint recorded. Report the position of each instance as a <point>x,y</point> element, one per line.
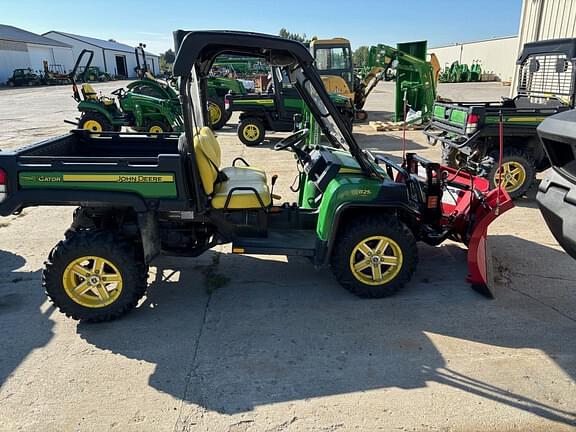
<point>119,92</point>
<point>292,140</point>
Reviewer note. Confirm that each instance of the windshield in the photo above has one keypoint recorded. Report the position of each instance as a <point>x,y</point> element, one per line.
<point>330,126</point>
<point>332,58</point>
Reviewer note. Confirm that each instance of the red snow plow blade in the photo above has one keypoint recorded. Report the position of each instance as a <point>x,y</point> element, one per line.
<point>459,206</point>
<point>469,212</point>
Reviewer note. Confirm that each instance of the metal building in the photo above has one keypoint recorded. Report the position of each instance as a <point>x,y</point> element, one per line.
<point>496,56</point>
<point>21,49</point>
<point>116,58</point>
<point>546,19</point>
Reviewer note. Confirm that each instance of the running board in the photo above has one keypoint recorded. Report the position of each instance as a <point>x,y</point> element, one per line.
<point>281,242</point>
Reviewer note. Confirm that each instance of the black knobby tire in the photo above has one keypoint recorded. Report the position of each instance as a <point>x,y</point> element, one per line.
<point>358,230</point>
<point>514,155</point>
<point>97,117</point>
<point>163,126</point>
<point>449,156</point>
<point>224,116</point>
<point>248,127</point>
<point>125,256</point>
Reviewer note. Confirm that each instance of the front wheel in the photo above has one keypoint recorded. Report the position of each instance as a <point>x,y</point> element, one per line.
<point>158,126</point>
<point>94,276</point>
<point>374,256</point>
<point>251,131</point>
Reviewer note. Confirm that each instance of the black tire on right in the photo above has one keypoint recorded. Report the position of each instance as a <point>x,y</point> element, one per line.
<point>358,230</point>
<point>251,122</point>
<point>489,168</point>
<point>125,256</point>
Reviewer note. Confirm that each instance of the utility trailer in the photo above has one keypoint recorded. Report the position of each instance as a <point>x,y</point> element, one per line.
<point>140,196</point>
<point>469,131</point>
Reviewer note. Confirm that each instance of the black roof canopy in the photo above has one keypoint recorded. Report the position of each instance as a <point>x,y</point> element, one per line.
<point>204,46</point>
<point>551,46</point>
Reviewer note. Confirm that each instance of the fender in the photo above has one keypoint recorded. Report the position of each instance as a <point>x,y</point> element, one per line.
<point>87,106</point>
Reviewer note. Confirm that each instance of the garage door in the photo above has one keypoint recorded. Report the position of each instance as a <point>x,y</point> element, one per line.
<point>38,55</point>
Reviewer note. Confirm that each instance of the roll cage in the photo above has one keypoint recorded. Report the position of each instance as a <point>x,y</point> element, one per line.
<point>196,51</point>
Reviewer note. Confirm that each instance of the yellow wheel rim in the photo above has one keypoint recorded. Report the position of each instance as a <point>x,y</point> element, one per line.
<point>513,176</point>
<point>92,281</point>
<point>215,113</point>
<point>93,125</point>
<point>156,129</point>
<point>251,132</point>
<point>376,260</point>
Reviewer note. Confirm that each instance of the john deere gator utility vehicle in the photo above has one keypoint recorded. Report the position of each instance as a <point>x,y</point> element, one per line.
<point>274,110</point>
<point>137,111</point>
<point>469,131</point>
<point>139,197</point>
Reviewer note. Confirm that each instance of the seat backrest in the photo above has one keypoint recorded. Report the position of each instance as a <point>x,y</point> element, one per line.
<point>208,157</point>
<point>89,92</point>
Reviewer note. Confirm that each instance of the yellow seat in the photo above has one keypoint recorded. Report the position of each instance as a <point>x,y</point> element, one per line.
<point>253,192</point>
<point>90,94</point>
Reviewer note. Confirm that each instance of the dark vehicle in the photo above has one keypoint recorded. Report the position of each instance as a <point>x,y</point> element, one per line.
<point>469,131</point>
<point>23,77</point>
<point>557,191</point>
<point>142,196</point>
<point>274,110</point>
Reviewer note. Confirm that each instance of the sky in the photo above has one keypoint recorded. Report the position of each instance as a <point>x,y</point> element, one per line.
<point>440,22</point>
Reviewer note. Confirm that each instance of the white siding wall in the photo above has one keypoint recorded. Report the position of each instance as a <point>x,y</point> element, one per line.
<point>78,46</point>
<point>13,55</point>
<point>38,54</point>
<point>545,19</point>
<point>497,56</point>
<point>64,57</point>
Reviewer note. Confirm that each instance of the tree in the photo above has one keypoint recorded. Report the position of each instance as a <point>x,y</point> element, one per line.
<point>168,56</point>
<point>360,56</point>
<point>294,36</point>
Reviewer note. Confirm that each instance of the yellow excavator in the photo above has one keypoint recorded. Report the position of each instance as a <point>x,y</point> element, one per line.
<point>418,77</point>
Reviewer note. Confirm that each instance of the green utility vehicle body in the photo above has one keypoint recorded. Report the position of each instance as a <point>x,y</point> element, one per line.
<point>469,131</point>
<point>23,77</point>
<point>139,196</point>
<point>275,110</point>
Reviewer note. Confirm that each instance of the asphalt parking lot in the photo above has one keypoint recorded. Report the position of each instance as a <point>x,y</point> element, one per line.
<point>281,346</point>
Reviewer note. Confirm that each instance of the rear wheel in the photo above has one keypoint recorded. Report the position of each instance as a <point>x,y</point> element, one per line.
<point>251,131</point>
<point>518,171</point>
<point>95,122</point>
<point>374,256</point>
<point>217,114</point>
<point>94,276</point>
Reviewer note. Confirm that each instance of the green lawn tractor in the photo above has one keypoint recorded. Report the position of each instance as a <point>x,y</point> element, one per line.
<point>137,111</point>
<point>218,88</point>
<point>274,110</point>
<point>139,197</point>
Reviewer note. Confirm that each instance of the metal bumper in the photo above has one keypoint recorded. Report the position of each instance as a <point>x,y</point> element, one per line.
<point>557,200</point>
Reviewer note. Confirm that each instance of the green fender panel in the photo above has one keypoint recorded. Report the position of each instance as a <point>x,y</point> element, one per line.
<point>344,189</point>
<point>86,106</point>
